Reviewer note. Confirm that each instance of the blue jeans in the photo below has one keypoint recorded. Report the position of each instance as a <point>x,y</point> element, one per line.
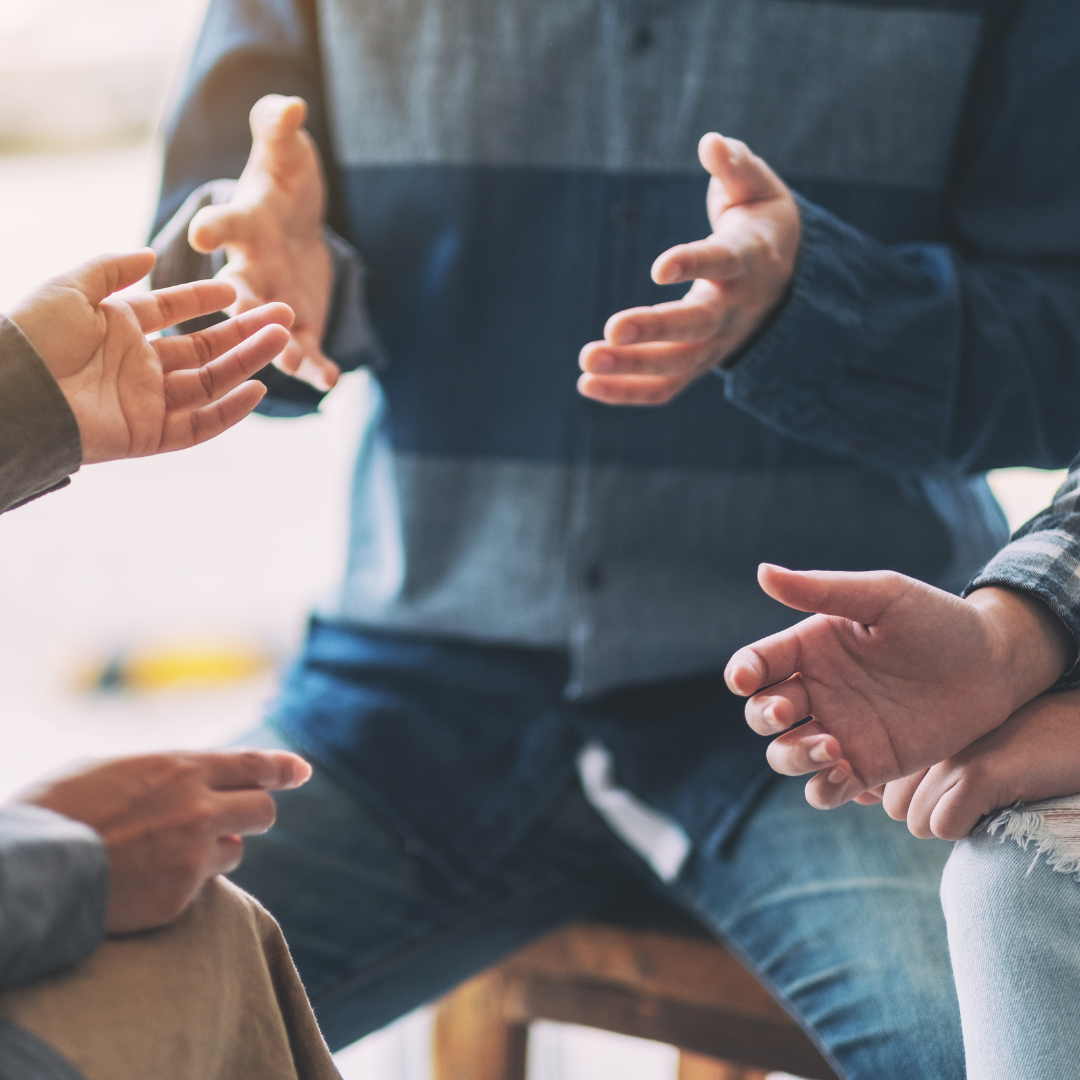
<point>838,913</point>
<point>1014,933</point>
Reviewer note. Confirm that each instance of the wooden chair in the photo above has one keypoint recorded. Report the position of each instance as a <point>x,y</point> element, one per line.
<point>677,986</point>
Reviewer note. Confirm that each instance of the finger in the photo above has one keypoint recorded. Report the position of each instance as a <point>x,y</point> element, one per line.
<point>956,813</point>
<point>777,708</point>
<point>694,317</point>
<point>242,813</point>
<point>166,307</point>
<point>185,351</point>
<point>667,359</point>
<point>194,388</point>
<point>861,597</point>
<point>743,175</point>
<point>632,389</point>
<point>227,854</point>
<point>304,360</point>
<point>805,750</point>
<point>269,770</point>
<point>100,277</point>
<point>715,258</point>
<point>898,794</point>
<point>274,118</point>
<point>214,227</point>
<point>869,798</point>
<point>186,428</point>
<point>768,661</point>
<point>833,787</point>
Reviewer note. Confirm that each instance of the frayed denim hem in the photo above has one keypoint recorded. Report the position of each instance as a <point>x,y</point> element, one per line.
<point>1053,826</point>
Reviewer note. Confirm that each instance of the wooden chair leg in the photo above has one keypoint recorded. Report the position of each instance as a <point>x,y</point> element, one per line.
<point>472,1038</point>
<point>696,1067</point>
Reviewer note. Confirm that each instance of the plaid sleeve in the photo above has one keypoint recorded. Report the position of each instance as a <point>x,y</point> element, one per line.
<point>1043,559</point>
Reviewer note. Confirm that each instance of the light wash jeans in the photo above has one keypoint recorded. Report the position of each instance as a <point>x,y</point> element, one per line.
<point>837,912</point>
<point>1014,935</point>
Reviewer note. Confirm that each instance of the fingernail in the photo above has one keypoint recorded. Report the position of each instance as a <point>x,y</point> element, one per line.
<point>819,752</point>
<point>673,271</point>
<point>769,716</point>
<point>628,333</point>
<point>837,775</point>
<point>602,363</point>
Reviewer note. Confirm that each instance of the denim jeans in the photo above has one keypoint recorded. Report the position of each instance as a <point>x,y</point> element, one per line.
<point>1014,934</point>
<point>838,913</point>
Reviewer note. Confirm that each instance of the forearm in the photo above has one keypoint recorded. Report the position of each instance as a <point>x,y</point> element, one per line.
<point>53,892</point>
<point>39,437</point>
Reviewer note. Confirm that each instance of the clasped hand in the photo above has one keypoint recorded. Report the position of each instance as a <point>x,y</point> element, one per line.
<point>907,686</point>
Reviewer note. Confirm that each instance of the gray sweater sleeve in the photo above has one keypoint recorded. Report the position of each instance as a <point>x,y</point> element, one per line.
<point>39,437</point>
<point>53,892</point>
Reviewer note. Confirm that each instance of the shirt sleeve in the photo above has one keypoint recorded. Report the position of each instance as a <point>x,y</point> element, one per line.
<point>40,444</point>
<point>956,355</point>
<point>1043,559</point>
<point>53,892</point>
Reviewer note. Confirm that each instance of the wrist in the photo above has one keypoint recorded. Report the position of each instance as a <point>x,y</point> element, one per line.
<point>1029,645</point>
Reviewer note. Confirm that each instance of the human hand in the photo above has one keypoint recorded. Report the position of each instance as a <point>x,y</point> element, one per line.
<point>170,821</point>
<point>740,274</point>
<point>1034,755</point>
<point>896,674</point>
<point>132,397</point>
<point>271,231</point>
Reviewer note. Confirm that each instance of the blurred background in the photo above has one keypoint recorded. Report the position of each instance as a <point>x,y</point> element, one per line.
<point>151,604</point>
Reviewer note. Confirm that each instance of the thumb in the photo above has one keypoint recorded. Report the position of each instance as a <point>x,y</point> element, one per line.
<point>215,226</point>
<point>743,176</point>
<point>861,597</point>
<point>274,120</point>
<point>106,274</point>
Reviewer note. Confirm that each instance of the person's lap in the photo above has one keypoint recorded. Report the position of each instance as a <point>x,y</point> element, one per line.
<point>838,912</point>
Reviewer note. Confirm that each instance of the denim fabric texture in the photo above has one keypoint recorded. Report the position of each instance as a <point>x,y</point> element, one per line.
<point>838,913</point>
<point>1012,924</point>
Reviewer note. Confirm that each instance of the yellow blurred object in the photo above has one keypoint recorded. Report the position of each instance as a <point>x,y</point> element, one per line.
<point>181,666</point>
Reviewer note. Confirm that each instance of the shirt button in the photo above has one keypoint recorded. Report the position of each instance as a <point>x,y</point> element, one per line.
<point>593,578</point>
<point>626,214</point>
<point>642,38</point>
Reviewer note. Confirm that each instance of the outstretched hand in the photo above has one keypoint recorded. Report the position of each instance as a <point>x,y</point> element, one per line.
<point>896,675</point>
<point>132,397</point>
<point>271,231</point>
<point>740,274</point>
<point>170,821</point>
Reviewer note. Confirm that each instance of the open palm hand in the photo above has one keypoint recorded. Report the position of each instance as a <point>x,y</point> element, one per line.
<point>132,396</point>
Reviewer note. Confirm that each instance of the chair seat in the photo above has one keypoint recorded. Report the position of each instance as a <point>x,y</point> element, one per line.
<point>677,987</point>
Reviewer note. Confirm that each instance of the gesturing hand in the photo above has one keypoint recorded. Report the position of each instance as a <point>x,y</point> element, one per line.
<point>896,674</point>
<point>1034,755</point>
<point>271,231</point>
<point>171,821</point>
<point>740,273</point>
<point>132,397</point>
